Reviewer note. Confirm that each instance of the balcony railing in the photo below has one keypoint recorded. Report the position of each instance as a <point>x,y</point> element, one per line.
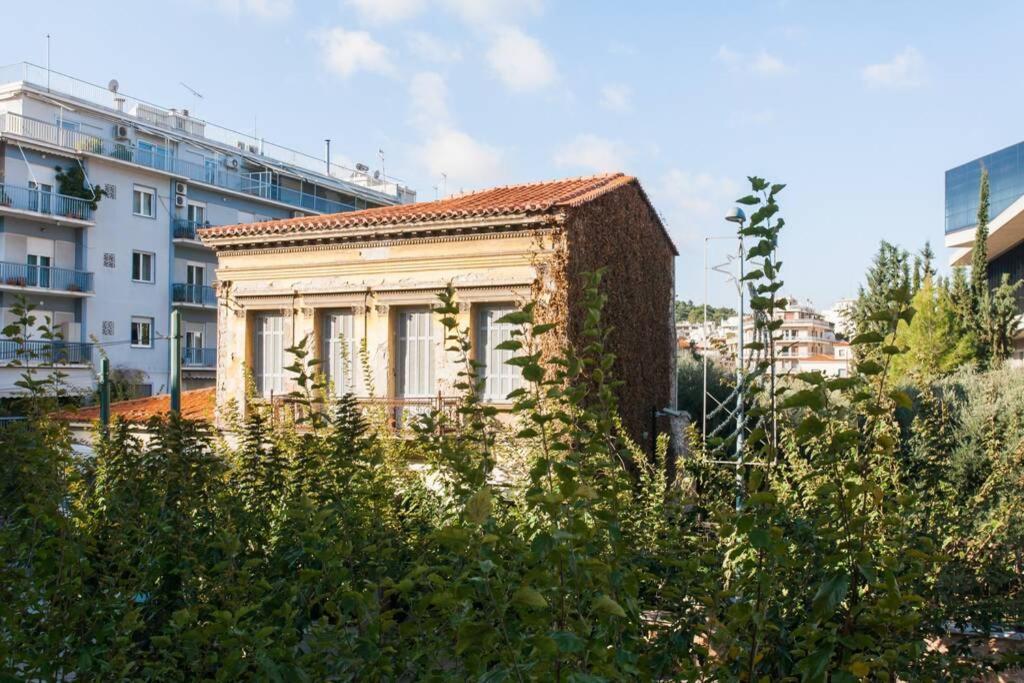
<point>200,295</point>
<point>45,352</point>
<point>41,201</point>
<point>195,357</point>
<point>396,414</point>
<point>45,277</point>
<point>212,172</point>
<point>184,229</point>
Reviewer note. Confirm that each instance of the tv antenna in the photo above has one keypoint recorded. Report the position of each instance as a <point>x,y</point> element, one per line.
<point>195,93</point>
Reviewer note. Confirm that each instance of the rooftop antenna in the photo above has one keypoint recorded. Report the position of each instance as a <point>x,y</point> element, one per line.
<point>113,86</point>
<point>435,193</point>
<point>380,153</point>
<point>195,94</point>
<point>327,141</point>
<point>444,184</point>
<point>47,62</point>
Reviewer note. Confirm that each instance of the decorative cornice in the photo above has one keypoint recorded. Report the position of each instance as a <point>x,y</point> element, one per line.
<point>322,243</point>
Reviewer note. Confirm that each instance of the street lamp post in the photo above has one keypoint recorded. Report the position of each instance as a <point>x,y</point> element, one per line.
<point>737,216</point>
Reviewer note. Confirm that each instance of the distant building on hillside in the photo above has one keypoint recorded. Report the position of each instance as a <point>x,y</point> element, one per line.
<point>371,277</point>
<point>1005,244</point>
<point>806,341</point>
<point>839,315</point>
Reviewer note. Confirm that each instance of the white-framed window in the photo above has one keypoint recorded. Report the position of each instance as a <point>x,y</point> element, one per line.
<point>143,267</point>
<point>415,352</point>
<point>340,350</point>
<point>499,378</point>
<point>142,332</point>
<point>268,353</point>
<point>196,213</point>
<point>144,201</point>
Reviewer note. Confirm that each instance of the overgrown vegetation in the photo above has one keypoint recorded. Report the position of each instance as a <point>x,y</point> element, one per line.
<point>311,551</point>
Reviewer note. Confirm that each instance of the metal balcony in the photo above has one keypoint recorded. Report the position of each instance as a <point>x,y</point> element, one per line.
<point>57,280</point>
<point>195,357</point>
<point>194,295</point>
<point>45,352</point>
<point>184,229</point>
<point>213,172</point>
<point>46,203</point>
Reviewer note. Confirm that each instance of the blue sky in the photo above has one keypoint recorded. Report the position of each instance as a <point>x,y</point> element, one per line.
<point>859,107</point>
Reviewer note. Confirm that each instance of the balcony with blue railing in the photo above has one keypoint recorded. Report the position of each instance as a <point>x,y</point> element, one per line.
<point>184,229</point>
<point>256,183</point>
<point>46,203</point>
<point>54,280</point>
<point>196,357</point>
<point>194,295</point>
<point>44,352</point>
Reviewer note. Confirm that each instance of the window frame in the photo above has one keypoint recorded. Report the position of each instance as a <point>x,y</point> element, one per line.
<point>152,266</point>
<point>331,347</point>
<point>259,354</point>
<point>407,339</point>
<point>486,330</point>
<point>142,190</point>
<point>141,320</point>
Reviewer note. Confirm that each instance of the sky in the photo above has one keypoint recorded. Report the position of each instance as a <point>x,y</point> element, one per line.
<point>858,107</point>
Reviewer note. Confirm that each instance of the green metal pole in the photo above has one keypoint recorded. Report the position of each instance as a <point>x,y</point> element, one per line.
<point>105,393</point>
<point>175,361</point>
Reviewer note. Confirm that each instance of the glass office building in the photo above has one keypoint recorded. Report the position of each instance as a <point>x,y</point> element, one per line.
<point>1006,185</point>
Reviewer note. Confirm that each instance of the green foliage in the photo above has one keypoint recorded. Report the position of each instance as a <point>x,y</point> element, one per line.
<point>310,550</point>
<point>73,183</point>
<point>687,311</point>
<point>932,341</point>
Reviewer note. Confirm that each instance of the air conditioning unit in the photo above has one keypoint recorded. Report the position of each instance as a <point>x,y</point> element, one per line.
<point>180,201</point>
<point>297,214</point>
<point>231,162</point>
<point>180,188</point>
<point>254,149</point>
<point>120,131</point>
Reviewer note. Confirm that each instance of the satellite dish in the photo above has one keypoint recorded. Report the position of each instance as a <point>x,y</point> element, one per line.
<point>113,85</point>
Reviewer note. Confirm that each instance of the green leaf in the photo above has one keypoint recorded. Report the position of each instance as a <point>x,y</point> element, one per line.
<point>478,507</point>
<point>869,367</point>
<point>830,594</point>
<point>529,597</point>
<point>749,200</point>
<point>566,641</point>
<point>867,338</point>
<point>606,605</point>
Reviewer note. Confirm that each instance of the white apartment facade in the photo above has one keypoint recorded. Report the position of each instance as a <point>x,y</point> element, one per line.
<point>806,342</point>
<point>110,277</point>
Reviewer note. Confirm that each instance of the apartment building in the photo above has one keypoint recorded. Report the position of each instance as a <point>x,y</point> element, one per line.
<point>107,268</point>
<point>806,341</point>
<point>1005,245</point>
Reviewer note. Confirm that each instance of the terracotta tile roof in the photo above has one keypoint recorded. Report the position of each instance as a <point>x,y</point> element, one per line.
<point>197,404</point>
<point>820,357</point>
<point>510,200</point>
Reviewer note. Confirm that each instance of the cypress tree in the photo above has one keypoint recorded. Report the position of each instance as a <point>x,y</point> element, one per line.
<point>979,271</point>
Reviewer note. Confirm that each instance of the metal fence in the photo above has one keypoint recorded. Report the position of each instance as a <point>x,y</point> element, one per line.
<point>200,295</point>
<point>184,229</point>
<point>41,201</point>
<point>45,277</point>
<point>398,414</point>
<point>45,352</point>
<point>195,357</point>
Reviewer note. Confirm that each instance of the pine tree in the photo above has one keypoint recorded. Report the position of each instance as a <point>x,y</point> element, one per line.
<point>1004,319</point>
<point>927,261</point>
<point>889,273</point>
<point>960,295</point>
<point>933,343</point>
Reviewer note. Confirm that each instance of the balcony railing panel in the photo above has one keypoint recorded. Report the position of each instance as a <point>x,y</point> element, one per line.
<point>185,229</point>
<point>255,183</point>
<point>45,352</point>
<point>201,295</point>
<point>45,277</point>
<point>396,414</point>
<point>41,201</point>
<point>195,357</point>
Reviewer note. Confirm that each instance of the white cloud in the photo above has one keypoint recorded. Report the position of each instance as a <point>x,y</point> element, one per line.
<point>693,202</point>
<point>520,61</point>
<point>466,161</point>
<point>346,52</point>
<point>905,70</point>
<point>428,94</point>
<point>492,12</point>
<point>591,153</point>
<point>768,65</point>
<point>429,48</point>
<point>386,11</point>
<point>263,9</point>
<point>616,97</point>
<point>761,64</point>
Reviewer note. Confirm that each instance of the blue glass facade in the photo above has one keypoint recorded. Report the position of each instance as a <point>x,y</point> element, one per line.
<point>1006,185</point>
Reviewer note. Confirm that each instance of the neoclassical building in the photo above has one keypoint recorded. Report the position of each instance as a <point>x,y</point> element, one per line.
<point>374,275</point>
